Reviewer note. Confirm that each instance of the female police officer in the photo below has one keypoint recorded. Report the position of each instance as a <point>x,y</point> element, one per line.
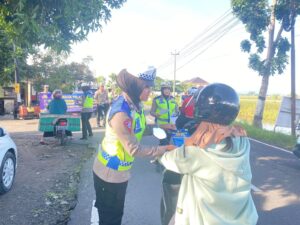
<point>125,126</point>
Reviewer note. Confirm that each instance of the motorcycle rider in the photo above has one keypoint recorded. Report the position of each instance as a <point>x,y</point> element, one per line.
<point>56,106</point>
<point>214,161</point>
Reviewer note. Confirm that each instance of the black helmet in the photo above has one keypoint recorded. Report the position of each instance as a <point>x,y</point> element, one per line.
<point>217,103</point>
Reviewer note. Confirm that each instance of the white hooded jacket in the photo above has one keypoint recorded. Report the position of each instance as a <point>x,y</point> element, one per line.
<point>216,186</point>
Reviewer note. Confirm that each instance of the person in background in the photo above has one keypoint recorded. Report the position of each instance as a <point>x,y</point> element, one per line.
<point>126,123</point>
<point>56,106</point>
<point>110,95</point>
<point>87,110</point>
<point>102,101</point>
<point>16,109</point>
<point>163,108</point>
<point>214,161</point>
<point>185,119</point>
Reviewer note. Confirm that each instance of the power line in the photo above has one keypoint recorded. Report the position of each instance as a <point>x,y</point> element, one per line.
<point>215,23</point>
<point>211,36</point>
<point>218,27</point>
<point>216,39</point>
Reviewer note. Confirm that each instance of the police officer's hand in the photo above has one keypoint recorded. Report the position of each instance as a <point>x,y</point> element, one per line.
<point>173,127</point>
<point>170,147</point>
<point>168,126</point>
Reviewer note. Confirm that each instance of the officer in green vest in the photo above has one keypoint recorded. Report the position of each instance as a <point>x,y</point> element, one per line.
<point>87,110</point>
<point>164,109</point>
<point>125,125</point>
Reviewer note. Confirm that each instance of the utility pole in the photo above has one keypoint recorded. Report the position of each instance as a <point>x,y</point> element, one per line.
<point>17,84</point>
<point>293,77</point>
<point>174,82</point>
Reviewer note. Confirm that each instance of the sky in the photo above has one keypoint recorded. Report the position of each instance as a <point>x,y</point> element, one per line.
<point>144,33</point>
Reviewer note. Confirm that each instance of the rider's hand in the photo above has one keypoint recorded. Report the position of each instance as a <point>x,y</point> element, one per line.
<point>170,147</point>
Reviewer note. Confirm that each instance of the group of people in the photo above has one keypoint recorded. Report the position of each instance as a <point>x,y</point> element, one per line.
<point>215,184</point>
<point>102,98</point>
<point>212,166</point>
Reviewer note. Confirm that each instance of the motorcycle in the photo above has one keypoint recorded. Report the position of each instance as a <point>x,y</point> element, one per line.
<point>171,181</point>
<point>61,130</point>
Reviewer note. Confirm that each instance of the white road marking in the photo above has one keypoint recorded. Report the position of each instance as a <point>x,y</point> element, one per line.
<point>281,149</point>
<point>94,215</point>
<point>256,189</point>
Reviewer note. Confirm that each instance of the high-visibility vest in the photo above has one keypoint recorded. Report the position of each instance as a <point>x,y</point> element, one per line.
<point>112,154</point>
<point>88,102</point>
<point>166,108</point>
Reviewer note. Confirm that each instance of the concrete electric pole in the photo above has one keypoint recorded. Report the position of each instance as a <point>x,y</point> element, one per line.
<point>174,82</point>
<point>17,84</point>
<point>293,77</point>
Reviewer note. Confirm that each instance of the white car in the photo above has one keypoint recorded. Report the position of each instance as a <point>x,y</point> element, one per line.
<point>8,161</point>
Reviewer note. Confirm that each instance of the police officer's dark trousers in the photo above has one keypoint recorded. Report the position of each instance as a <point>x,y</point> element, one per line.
<point>101,113</point>
<point>110,198</point>
<point>86,126</point>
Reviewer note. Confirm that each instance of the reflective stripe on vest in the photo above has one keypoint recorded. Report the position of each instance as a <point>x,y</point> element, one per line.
<point>113,162</point>
<point>112,154</point>
<point>139,125</point>
<point>88,102</point>
<point>165,108</point>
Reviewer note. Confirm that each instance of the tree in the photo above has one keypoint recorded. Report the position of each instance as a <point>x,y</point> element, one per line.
<point>57,23</point>
<point>100,79</point>
<point>259,16</point>
<point>112,83</point>
<point>10,55</point>
<point>49,68</point>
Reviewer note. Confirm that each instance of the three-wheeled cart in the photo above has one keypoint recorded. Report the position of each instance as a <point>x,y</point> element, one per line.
<point>49,123</point>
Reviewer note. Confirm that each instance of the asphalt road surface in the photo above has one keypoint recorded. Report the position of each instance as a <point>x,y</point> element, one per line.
<point>276,189</point>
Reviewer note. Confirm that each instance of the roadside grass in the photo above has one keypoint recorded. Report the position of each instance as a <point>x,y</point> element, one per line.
<point>272,106</point>
<point>277,139</point>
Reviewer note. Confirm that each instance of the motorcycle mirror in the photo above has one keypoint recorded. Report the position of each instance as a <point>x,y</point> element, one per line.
<point>159,133</point>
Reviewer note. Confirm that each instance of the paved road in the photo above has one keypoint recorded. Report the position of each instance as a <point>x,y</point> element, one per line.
<point>276,180</point>
<point>277,174</point>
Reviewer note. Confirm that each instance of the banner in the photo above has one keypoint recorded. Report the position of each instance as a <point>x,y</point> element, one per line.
<point>284,115</point>
<point>72,100</point>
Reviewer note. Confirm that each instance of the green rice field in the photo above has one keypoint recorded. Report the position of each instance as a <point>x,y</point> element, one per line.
<point>248,106</point>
